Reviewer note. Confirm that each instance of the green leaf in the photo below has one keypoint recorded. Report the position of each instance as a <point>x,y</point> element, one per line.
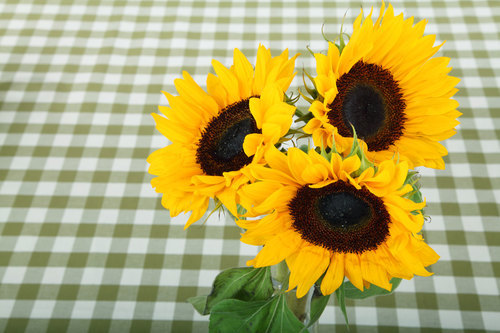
<point>340,293</point>
<point>199,303</point>
<point>318,305</point>
<point>352,292</point>
<point>272,315</point>
<point>244,283</point>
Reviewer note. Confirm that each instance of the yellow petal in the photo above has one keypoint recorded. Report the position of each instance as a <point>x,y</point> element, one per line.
<point>334,275</point>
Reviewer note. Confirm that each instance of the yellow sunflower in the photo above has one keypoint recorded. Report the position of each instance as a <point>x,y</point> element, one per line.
<point>386,85</point>
<point>215,135</point>
<point>328,217</point>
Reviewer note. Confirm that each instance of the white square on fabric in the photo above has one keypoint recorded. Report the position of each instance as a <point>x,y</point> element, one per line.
<point>407,286</point>
<point>138,245</point>
<point>10,187</point>
<point>175,246</point>
<point>455,146</point>
<point>491,320</point>
<point>127,141</point>
<point>38,117</point>
<point>54,163</point>
<point>163,311</point>
<point>131,276</point>
<point>53,275</point>
<point>101,118</point>
<point>95,140</point>
<point>443,251</point>
<point>143,216</point>
<point>115,190</point>
<point>72,215</point>
<point>366,316</point>
<point>466,196</point>
<point>479,253</point>
<point>45,188</point>
<point>63,244</point>
<point>106,97</point>
<point>6,306</point>
<point>490,146</point>
<point>206,277</point>
<point>83,309</point>
<point>92,276</point>
<point>29,139</point>
<point>14,275</point>
<point>62,140</point>
<point>42,309</point>
<point>248,250</point>
<point>451,319</point>
<point>445,284</point>
<point>87,164</point>
<point>121,164</point>
<point>124,310</point>
<point>36,215</point>
<point>108,216</point>
<point>486,286</point>
<point>25,243</point>
<point>101,245</point>
<point>212,246</point>
<point>170,277</point>
<point>408,317</point>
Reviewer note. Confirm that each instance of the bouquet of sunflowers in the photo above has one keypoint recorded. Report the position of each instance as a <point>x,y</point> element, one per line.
<point>340,215</point>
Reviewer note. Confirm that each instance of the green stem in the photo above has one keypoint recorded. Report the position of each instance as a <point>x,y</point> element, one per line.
<point>299,306</point>
<point>281,274</point>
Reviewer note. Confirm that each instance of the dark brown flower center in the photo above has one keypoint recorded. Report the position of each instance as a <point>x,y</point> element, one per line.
<point>340,217</point>
<point>370,100</point>
<point>220,148</point>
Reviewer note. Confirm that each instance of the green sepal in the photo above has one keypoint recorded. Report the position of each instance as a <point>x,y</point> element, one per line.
<point>356,150</point>
<point>304,117</point>
<point>290,100</point>
<point>271,315</point>
<point>340,294</point>
<point>313,92</point>
<point>318,305</point>
<point>413,178</point>
<point>244,283</point>
<point>323,33</point>
<point>354,293</point>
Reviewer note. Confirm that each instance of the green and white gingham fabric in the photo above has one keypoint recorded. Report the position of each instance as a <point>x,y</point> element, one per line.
<point>84,242</point>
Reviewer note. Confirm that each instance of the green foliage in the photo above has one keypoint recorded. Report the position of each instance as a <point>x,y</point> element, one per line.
<point>340,293</point>
<point>244,283</point>
<point>272,315</point>
<point>352,292</point>
<point>318,305</point>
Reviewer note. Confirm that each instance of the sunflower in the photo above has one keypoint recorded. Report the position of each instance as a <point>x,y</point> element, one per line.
<point>385,84</point>
<point>216,134</point>
<point>336,218</point>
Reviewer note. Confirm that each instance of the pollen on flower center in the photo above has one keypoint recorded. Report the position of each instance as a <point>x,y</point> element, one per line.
<point>231,142</point>
<point>340,217</point>
<point>220,148</point>
<point>370,100</point>
<point>364,108</point>
<point>343,210</point>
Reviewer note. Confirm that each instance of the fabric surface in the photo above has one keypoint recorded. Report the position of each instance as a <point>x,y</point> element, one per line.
<point>84,242</point>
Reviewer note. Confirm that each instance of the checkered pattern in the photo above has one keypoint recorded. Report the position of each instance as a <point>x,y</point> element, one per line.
<point>84,242</point>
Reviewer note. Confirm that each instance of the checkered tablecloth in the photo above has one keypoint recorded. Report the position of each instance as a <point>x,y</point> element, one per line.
<point>84,242</point>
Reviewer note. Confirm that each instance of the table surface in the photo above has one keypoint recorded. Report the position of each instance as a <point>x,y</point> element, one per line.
<point>84,242</point>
